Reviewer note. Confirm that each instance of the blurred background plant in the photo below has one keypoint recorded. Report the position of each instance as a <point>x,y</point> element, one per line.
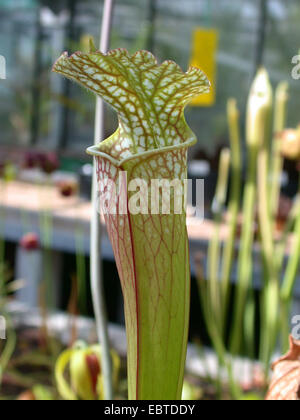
<point>86,374</point>
<point>256,234</point>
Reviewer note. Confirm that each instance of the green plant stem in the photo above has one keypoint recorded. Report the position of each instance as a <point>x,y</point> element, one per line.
<point>212,330</point>
<point>257,111</point>
<point>270,295</point>
<point>280,115</point>
<point>245,252</point>
<point>234,204</point>
<point>282,244</point>
<point>211,293</point>
<point>46,234</point>
<point>280,258</point>
<point>81,271</point>
<point>293,264</point>
<point>10,343</point>
<point>285,312</point>
<point>46,230</point>
<point>249,325</point>
<point>2,241</point>
<point>214,285</point>
<point>264,211</point>
<point>290,277</point>
<point>271,292</point>
<point>215,335</point>
<point>9,346</point>
<point>269,325</point>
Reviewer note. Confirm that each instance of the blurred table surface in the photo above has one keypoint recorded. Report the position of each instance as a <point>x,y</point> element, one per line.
<point>23,207</point>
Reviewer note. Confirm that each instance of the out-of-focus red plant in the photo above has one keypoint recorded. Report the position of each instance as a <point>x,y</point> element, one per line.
<point>67,188</point>
<point>83,364</point>
<point>94,368</point>
<point>48,162</point>
<point>285,385</point>
<point>30,242</point>
<point>30,160</point>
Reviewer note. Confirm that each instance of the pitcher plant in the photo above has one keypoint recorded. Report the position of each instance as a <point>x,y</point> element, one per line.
<point>145,156</point>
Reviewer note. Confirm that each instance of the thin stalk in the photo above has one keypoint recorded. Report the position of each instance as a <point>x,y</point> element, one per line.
<point>215,336</point>
<point>258,101</point>
<point>2,264</point>
<point>282,244</point>
<point>293,264</point>
<point>81,271</point>
<point>97,285</point>
<point>234,203</point>
<point>10,344</point>
<point>213,332</point>
<point>249,325</point>
<point>2,242</point>
<point>214,252</point>
<point>46,229</point>
<point>211,292</point>
<point>269,310</point>
<point>290,277</point>
<point>279,258</point>
<point>245,253</point>
<point>9,347</point>
<point>271,287</point>
<point>280,115</point>
<point>285,312</point>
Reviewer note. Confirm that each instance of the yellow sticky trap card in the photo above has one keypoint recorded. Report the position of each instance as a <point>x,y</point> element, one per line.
<point>204,50</point>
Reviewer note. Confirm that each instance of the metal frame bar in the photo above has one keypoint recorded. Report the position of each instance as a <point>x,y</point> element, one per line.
<point>36,94</point>
<point>97,281</point>
<point>261,36</point>
<point>152,18</point>
<point>63,140</point>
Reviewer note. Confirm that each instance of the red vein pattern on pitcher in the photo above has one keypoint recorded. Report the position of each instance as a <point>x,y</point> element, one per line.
<point>151,250</point>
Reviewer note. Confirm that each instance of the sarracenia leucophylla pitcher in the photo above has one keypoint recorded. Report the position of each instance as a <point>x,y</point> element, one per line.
<point>150,247</point>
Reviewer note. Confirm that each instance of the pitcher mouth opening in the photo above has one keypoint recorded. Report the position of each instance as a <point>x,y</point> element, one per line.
<point>96,152</point>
